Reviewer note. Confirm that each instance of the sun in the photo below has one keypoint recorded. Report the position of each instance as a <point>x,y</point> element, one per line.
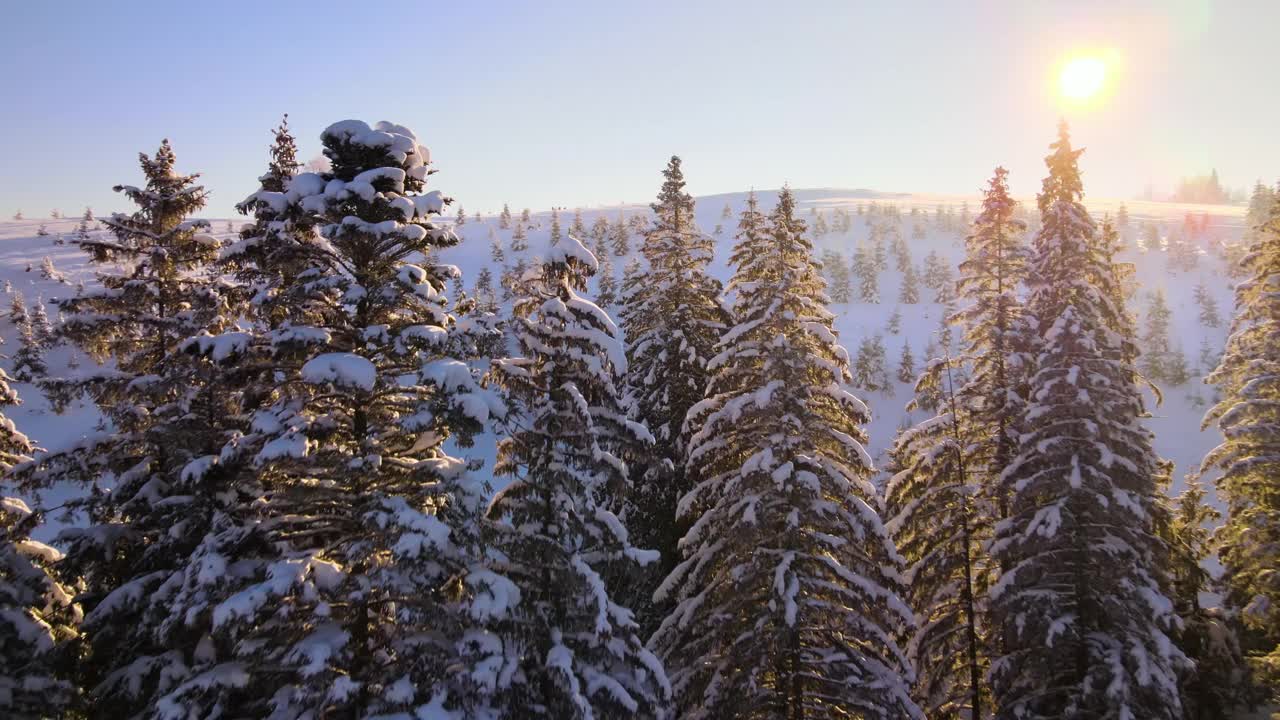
<point>1082,78</point>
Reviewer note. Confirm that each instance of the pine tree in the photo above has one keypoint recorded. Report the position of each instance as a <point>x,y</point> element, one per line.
<point>1248,378</point>
<point>18,313</point>
<point>870,366</point>
<point>267,252</point>
<point>461,217</point>
<point>1122,218</point>
<point>1209,315</point>
<point>496,253</point>
<point>38,613</point>
<point>909,290</point>
<point>895,322</point>
<point>49,272</point>
<point>575,652</point>
<point>1220,684</point>
<point>1079,611</point>
<point>525,217</point>
<point>556,233</point>
<point>370,531</point>
<point>1161,360</point>
<point>42,231</point>
<point>936,271</point>
<point>786,540</point>
<point>164,424</point>
<point>864,269</point>
<point>1260,206</point>
<point>504,218</point>
<point>18,215</point>
<point>607,287</point>
<point>485,295</point>
<point>620,237</point>
<point>519,239</point>
<point>906,364</point>
<point>840,280</point>
<point>672,319</point>
<point>578,229</point>
<point>726,213</point>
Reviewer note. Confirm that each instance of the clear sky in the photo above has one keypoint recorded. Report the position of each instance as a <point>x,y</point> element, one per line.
<point>580,102</point>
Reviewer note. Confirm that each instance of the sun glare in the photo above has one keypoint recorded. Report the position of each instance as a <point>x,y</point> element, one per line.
<point>1082,78</point>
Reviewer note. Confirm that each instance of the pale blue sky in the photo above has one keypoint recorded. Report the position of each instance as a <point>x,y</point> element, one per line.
<point>580,102</point>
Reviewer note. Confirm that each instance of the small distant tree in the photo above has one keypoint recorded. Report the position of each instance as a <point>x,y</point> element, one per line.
<point>49,272</point>
<point>864,269</point>
<point>496,252</point>
<point>578,229</point>
<point>525,216</point>
<point>17,215</point>
<point>504,218</point>
<point>895,322</point>
<point>909,290</point>
<point>556,233</point>
<point>906,364</point>
<point>42,231</point>
<point>461,218</point>
<point>1209,316</point>
<point>620,237</point>
<point>870,368</point>
<point>519,239</point>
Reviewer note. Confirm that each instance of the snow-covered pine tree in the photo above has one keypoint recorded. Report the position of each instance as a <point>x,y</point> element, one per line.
<point>947,491</point>
<point>787,597</point>
<point>1208,304</point>
<point>935,270</point>
<point>620,237</point>
<point>909,289</point>
<point>841,281</point>
<point>504,218</point>
<point>939,519</point>
<point>1248,378</point>
<point>870,366</point>
<point>1079,612</point>
<point>864,269</point>
<point>38,613</point>
<point>18,313</point>
<point>496,254</point>
<point>28,362</point>
<point>672,319</point>
<point>1220,684</point>
<point>894,326</point>
<point>578,228</point>
<point>526,217</point>
<point>150,489</point>
<point>573,651</point>
<point>37,609</point>
<point>556,233</point>
<point>373,528</point>
<point>269,251</point>
<point>906,364</point>
<point>461,217</point>
<point>607,287</point>
<point>519,238</point>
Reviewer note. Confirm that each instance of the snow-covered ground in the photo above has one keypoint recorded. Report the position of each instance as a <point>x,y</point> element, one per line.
<point>1176,422</point>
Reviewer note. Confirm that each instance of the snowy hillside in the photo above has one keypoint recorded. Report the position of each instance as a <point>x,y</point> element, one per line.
<point>916,220</point>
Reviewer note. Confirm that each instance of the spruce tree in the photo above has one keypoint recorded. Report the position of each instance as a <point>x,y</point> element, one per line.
<point>1208,304</point>
<point>504,218</point>
<point>578,229</point>
<point>519,239</point>
<point>1220,684</point>
<point>864,269</point>
<point>574,650</point>
<point>370,531</point>
<point>1079,610</point>
<point>150,491</point>
<point>1248,378</point>
<point>607,287</point>
<point>909,290</point>
<point>906,364</point>
<point>672,319</point>
<point>556,233</point>
<point>620,237</point>
<point>840,280</point>
<point>787,597</point>
<point>38,613</point>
